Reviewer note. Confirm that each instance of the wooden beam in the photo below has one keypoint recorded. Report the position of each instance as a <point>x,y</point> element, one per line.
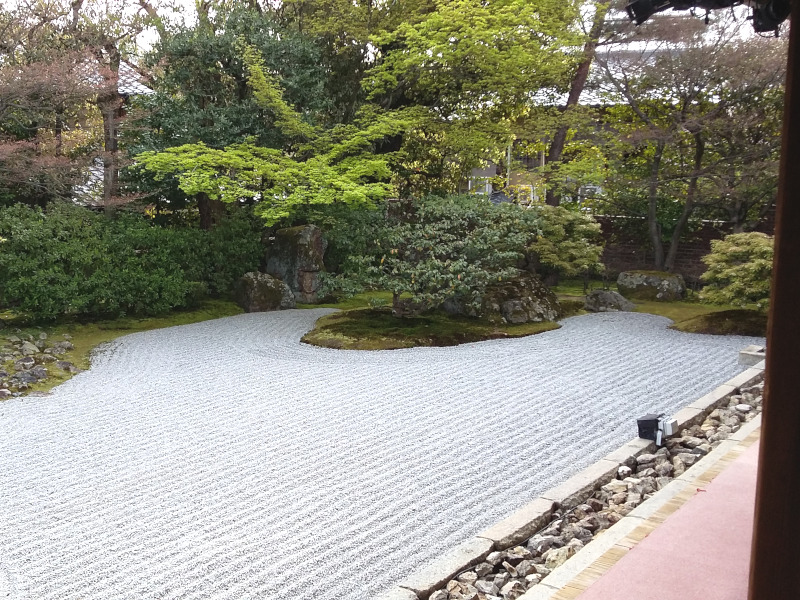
<point>775,561</point>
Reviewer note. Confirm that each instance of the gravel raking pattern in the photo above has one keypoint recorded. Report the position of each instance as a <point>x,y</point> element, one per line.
<point>226,460</point>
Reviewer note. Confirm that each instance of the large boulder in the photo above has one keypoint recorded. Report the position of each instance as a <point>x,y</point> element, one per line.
<point>523,299</point>
<point>607,301</point>
<point>259,292</point>
<point>651,285</point>
<point>295,256</point>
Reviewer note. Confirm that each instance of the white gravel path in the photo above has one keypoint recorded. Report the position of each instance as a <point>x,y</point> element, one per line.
<point>226,460</point>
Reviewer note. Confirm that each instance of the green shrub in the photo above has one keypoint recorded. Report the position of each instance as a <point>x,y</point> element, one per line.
<point>220,256</point>
<point>429,250</point>
<point>739,270</point>
<point>69,261</point>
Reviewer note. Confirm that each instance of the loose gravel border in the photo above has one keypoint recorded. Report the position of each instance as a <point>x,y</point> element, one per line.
<point>227,460</point>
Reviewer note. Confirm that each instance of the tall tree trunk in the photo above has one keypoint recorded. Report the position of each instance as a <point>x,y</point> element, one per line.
<point>689,205</point>
<point>577,85</point>
<point>654,227</point>
<point>110,108</point>
<point>59,131</point>
<point>109,101</point>
<point>211,211</point>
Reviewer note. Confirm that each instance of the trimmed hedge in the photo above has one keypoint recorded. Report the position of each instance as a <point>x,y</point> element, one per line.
<point>69,261</point>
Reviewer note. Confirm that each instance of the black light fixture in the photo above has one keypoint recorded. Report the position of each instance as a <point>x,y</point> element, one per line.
<point>767,14</point>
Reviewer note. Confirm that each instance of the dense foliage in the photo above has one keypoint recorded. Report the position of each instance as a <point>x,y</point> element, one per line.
<point>430,250</point>
<point>739,270</point>
<point>67,261</point>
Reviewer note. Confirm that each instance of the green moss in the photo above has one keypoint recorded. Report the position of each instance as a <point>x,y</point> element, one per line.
<point>87,336</point>
<point>377,329</point>
<point>365,300</point>
<point>726,322</point>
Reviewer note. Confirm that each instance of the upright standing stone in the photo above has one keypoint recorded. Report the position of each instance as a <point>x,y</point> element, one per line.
<point>295,256</point>
<point>259,292</point>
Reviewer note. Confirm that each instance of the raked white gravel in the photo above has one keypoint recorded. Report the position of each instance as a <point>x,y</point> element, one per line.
<point>226,460</point>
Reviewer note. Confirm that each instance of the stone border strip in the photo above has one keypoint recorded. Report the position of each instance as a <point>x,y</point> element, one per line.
<point>572,578</point>
<point>535,515</point>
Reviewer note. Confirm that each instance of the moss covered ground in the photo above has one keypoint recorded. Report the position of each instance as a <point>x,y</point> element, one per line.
<point>377,329</point>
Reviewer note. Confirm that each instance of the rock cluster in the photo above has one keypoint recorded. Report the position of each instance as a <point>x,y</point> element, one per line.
<point>607,301</point>
<point>508,574</point>
<point>651,285</point>
<point>524,299</point>
<point>27,360</point>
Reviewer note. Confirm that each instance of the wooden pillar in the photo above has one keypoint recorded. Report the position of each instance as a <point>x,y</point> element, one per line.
<point>775,561</point>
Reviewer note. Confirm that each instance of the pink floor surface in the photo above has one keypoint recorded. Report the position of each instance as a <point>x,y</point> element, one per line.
<point>701,552</point>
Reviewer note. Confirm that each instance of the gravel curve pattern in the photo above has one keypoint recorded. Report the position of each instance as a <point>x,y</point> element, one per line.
<point>226,460</point>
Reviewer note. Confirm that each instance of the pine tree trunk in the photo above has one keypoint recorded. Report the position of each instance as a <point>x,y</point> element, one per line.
<point>577,85</point>
<point>211,211</point>
<point>652,213</point>
<point>689,205</point>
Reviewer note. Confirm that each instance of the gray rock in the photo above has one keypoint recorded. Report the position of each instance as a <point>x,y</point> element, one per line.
<point>483,569</point>
<point>438,595</point>
<point>42,335</point>
<point>259,292</point>
<point>540,544</point>
<point>532,580</point>
<point>595,504</point>
<point>25,363</point>
<point>510,569</point>
<point>664,469</point>
<point>13,339</point>
<point>687,458</point>
<point>468,577</point>
<point>486,587</point>
<point>495,558</point>
<point>4,393</point>
<point>525,568</point>
<point>24,377</point>
<point>65,345</point>
<point>645,459</point>
<point>512,590</point>
<point>29,349</point>
<point>692,442</point>
<point>296,257</point>
<point>65,365</point>
<point>555,557</point>
<point>615,486</point>
<point>651,285</point>
<point>39,372</point>
<point>524,299</point>
<point>743,408</point>
<point>590,523</point>
<point>607,301</point>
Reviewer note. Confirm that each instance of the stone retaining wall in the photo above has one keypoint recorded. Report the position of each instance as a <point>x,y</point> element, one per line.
<point>574,492</point>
